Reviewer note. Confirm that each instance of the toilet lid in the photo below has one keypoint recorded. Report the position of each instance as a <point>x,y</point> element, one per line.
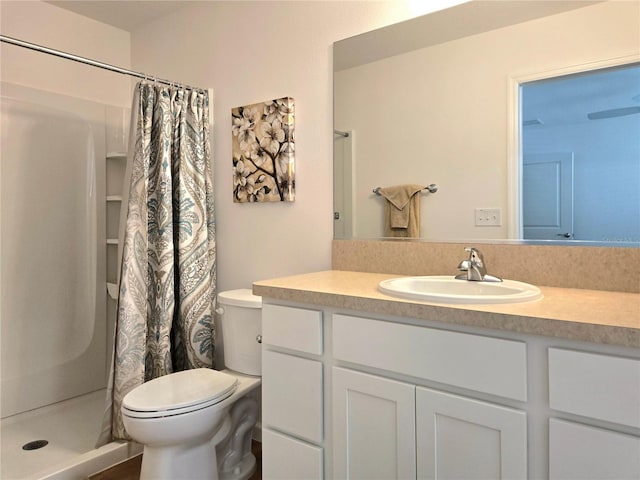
<point>183,391</point>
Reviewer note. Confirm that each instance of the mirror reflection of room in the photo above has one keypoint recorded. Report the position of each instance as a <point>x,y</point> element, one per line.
<point>581,156</point>
<point>447,111</point>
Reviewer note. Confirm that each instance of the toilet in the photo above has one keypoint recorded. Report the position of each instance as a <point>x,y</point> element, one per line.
<point>197,424</point>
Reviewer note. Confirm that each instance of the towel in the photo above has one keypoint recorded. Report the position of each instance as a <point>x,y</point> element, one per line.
<point>403,210</point>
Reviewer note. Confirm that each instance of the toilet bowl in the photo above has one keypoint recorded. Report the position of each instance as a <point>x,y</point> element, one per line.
<point>197,424</point>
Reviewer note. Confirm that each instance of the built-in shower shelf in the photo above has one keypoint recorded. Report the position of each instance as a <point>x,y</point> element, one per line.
<point>114,198</point>
<point>121,155</point>
<point>112,241</point>
<point>112,290</point>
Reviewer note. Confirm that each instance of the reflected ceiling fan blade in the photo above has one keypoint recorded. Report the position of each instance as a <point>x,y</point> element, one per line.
<point>614,112</point>
<point>533,121</point>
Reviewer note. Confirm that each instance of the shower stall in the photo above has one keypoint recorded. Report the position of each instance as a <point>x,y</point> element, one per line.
<point>61,172</point>
<point>63,163</point>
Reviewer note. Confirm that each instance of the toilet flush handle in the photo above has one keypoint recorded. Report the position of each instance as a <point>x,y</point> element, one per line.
<point>259,339</point>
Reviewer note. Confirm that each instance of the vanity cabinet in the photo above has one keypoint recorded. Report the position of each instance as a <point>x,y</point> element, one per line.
<point>292,398</point>
<point>349,394</point>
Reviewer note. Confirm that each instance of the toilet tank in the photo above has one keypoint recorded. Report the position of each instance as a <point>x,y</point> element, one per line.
<point>241,321</point>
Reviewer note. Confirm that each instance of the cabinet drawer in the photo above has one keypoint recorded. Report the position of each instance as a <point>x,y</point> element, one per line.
<point>485,364</point>
<point>292,395</point>
<point>579,451</point>
<point>595,385</point>
<point>287,458</point>
<point>294,328</point>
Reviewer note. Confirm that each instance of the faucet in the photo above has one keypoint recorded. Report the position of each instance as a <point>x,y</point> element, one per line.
<point>475,268</point>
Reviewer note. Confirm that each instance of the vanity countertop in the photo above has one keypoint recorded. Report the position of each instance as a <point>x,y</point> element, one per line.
<point>587,315</point>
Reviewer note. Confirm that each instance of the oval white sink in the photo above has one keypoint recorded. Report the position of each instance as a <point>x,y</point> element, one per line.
<point>445,289</point>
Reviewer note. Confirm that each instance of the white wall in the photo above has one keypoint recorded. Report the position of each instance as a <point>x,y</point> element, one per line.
<point>443,112</point>
<point>253,51</point>
<point>43,24</point>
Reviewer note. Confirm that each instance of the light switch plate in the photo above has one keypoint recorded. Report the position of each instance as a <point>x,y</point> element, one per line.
<point>488,217</point>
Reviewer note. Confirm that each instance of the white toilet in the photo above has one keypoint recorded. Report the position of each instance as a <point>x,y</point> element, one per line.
<point>197,424</point>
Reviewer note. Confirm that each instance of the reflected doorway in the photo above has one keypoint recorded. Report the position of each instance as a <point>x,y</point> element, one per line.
<point>343,168</point>
<point>547,196</point>
<point>595,116</point>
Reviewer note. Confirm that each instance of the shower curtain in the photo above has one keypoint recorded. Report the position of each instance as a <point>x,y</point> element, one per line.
<point>168,271</point>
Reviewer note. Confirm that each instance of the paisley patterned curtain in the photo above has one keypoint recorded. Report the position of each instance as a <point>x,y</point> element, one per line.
<point>168,274</point>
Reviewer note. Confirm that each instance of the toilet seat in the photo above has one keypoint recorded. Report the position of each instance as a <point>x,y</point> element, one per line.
<point>178,393</point>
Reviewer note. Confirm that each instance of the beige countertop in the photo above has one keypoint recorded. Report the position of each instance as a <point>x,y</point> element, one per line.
<point>587,315</point>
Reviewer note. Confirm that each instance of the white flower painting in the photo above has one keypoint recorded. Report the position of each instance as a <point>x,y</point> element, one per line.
<point>263,149</point>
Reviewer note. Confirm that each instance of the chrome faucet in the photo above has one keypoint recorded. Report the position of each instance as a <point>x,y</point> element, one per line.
<point>475,268</point>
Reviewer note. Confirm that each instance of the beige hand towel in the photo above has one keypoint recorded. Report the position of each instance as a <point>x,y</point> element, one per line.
<point>403,210</point>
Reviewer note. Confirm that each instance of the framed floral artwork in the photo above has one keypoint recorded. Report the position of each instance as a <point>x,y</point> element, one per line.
<point>263,149</point>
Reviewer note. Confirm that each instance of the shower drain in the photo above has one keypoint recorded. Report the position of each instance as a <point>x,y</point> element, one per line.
<point>35,445</point>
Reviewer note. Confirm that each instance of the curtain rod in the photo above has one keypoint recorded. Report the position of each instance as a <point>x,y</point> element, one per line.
<point>93,63</point>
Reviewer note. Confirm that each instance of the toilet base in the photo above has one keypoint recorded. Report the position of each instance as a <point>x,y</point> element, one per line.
<point>242,471</point>
<point>235,459</point>
<point>195,460</point>
<point>192,463</point>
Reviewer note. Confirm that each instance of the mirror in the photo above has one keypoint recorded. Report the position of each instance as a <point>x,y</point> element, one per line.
<point>435,100</point>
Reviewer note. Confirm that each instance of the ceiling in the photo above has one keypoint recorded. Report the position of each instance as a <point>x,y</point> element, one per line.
<point>569,99</point>
<point>124,14</point>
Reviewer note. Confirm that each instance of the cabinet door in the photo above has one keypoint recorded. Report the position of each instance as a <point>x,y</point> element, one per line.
<point>462,438</point>
<point>284,457</point>
<point>589,453</point>
<point>373,427</point>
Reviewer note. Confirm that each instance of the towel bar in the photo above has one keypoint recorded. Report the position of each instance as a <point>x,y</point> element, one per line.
<point>433,188</point>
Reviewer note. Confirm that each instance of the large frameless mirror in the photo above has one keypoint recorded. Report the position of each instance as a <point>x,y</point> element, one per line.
<point>498,103</point>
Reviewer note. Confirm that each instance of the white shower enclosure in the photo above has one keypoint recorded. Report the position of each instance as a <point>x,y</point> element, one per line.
<point>53,250</point>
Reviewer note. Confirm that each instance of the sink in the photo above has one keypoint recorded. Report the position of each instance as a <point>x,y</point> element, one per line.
<point>446,289</point>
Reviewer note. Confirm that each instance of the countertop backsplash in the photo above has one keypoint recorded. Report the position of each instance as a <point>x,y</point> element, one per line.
<point>586,267</point>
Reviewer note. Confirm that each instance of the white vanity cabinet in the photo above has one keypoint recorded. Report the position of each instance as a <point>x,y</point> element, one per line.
<point>292,397</point>
<point>357,395</point>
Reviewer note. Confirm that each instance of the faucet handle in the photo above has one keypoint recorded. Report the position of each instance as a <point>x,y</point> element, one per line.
<point>475,256</point>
